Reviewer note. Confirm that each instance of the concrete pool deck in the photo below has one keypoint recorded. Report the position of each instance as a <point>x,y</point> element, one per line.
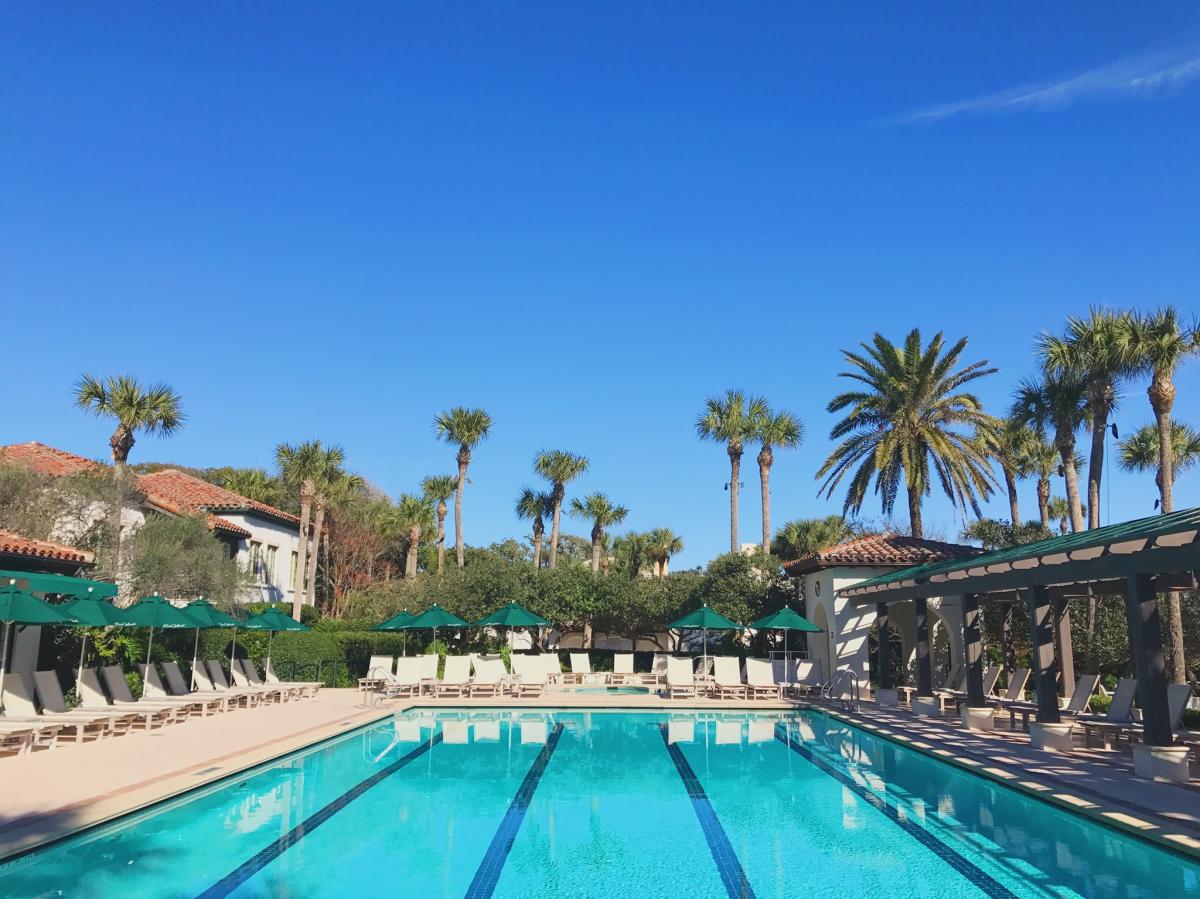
<point>51,794</point>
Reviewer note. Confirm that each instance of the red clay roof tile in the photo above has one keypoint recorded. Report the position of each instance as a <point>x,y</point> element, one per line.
<point>17,545</point>
<point>891,550</point>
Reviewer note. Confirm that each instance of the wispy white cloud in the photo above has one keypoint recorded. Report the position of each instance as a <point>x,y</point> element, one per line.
<point>1143,75</point>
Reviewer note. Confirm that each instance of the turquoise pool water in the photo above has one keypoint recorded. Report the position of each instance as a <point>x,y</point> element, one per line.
<point>600,804</point>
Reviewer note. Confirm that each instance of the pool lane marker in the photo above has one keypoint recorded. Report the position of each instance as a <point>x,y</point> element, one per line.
<point>968,869</point>
<point>256,863</point>
<point>737,885</point>
<point>488,873</point>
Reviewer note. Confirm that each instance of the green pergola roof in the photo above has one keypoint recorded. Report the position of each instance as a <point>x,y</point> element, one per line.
<point>1158,545</point>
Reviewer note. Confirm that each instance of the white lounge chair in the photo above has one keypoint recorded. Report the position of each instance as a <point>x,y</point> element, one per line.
<point>177,685</point>
<point>1177,699</point>
<point>118,690</point>
<point>54,704</point>
<point>622,672</point>
<point>427,667</point>
<point>216,677</point>
<point>489,677</point>
<point>581,668</point>
<point>658,670</point>
<point>243,682</point>
<point>760,680</point>
<point>951,682</point>
<point>456,677</point>
<point>1076,705</point>
<point>19,708</point>
<point>379,668</point>
<point>1014,693</point>
<point>681,678</point>
<point>22,737</point>
<point>808,678</point>
<point>531,674</point>
<point>269,676</point>
<point>406,682</point>
<point>727,677</point>
<point>205,684</point>
<point>208,704</point>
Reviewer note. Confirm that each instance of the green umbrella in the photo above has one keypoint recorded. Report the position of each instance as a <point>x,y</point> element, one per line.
<point>154,612</point>
<point>91,611</point>
<point>398,622</point>
<point>434,617</point>
<point>704,619</point>
<point>512,615</point>
<point>22,607</point>
<point>273,620</point>
<point>59,584</point>
<point>785,620</point>
<point>208,616</point>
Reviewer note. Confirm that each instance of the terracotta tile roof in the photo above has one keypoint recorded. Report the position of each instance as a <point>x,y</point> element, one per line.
<point>891,550</point>
<point>14,544</point>
<point>183,490</point>
<point>216,523</point>
<point>47,460</point>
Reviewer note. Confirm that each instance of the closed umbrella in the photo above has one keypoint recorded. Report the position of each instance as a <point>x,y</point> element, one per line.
<point>705,619</point>
<point>434,617</point>
<point>273,620</point>
<point>22,607</point>
<point>398,622</point>
<point>512,615</point>
<point>785,620</point>
<point>208,616</point>
<point>154,612</point>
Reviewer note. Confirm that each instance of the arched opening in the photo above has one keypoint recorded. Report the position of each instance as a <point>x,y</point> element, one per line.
<point>818,644</point>
<point>941,655</point>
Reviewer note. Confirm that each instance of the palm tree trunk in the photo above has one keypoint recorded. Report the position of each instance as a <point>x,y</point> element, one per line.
<point>1043,495</point>
<point>301,562</point>
<point>1096,469</point>
<point>441,535</point>
<point>121,443</point>
<point>464,459</point>
<point>735,470</point>
<point>765,458</point>
<point>1066,451</point>
<point>1162,400</point>
<point>914,512</point>
<point>410,559</point>
<point>318,526</point>
<point>596,533</point>
<point>1014,508</point>
<point>557,495</point>
<point>538,530</point>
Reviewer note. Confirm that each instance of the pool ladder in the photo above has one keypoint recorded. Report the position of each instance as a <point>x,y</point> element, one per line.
<point>848,699</point>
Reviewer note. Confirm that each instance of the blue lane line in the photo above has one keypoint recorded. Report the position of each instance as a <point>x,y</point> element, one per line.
<point>737,885</point>
<point>488,873</point>
<point>946,853</point>
<point>256,863</point>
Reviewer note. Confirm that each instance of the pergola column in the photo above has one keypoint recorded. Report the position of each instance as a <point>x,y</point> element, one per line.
<point>973,649</point>
<point>1045,666</point>
<point>1063,646</point>
<point>885,648</point>
<point>1141,610</point>
<point>924,666</point>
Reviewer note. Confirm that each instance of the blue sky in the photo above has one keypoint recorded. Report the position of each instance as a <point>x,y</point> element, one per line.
<point>332,221</point>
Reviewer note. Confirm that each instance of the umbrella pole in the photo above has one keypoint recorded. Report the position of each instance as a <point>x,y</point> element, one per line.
<point>195,657</point>
<point>4,661</point>
<point>232,650</point>
<point>145,674</point>
<point>82,654</point>
<point>270,640</point>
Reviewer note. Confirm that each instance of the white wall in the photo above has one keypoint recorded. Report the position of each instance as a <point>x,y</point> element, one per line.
<point>268,532</point>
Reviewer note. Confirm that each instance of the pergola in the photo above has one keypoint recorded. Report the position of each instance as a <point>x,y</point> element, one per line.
<point>1135,559</point>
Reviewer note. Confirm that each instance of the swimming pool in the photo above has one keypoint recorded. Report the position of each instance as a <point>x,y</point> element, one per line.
<point>604,803</point>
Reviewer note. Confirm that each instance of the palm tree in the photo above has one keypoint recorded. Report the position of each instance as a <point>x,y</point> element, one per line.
<point>536,506</point>
<point>298,467</point>
<point>632,549</point>
<point>730,419</point>
<point>252,483</point>
<point>1141,451</point>
<point>1096,350</point>
<point>328,478</point>
<point>773,429</point>
<point>559,467</point>
<point>806,536</point>
<point>153,410</point>
<point>465,428</point>
<point>414,514</point>
<point>603,514</point>
<point>437,489</point>
<point>1013,443</point>
<point>1158,346</point>
<point>1040,459</point>
<point>1059,508</point>
<point>1057,403</point>
<point>662,543</point>
<point>911,420</point>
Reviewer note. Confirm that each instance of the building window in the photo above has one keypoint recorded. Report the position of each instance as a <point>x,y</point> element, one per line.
<point>256,561</point>
<point>272,551</point>
<point>295,563</point>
